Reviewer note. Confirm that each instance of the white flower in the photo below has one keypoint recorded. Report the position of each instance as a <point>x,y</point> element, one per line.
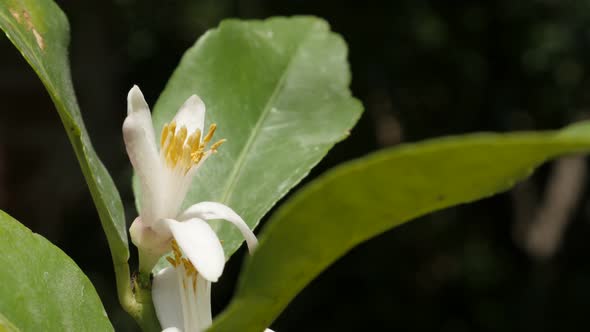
<point>165,176</point>
<point>182,292</point>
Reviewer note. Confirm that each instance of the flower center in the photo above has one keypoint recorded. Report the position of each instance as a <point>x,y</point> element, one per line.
<point>180,151</point>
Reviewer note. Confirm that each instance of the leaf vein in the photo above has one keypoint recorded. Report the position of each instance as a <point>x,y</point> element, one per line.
<point>235,174</point>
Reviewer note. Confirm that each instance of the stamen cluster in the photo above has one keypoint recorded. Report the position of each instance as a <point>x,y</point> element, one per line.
<point>180,151</point>
<point>178,261</point>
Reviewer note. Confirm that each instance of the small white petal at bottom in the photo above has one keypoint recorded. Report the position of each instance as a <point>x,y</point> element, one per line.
<point>166,298</point>
<point>172,329</point>
<point>204,302</point>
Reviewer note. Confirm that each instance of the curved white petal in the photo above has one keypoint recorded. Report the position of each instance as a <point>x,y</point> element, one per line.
<point>138,133</point>
<point>213,210</point>
<point>166,298</point>
<point>200,245</point>
<point>191,114</point>
<point>268,330</point>
<point>172,329</point>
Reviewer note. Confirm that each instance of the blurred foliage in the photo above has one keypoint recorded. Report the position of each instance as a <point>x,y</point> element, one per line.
<point>422,69</point>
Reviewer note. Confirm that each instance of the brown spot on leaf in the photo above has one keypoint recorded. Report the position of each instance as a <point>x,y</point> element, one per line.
<point>15,14</point>
<point>29,25</point>
<point>28,21</point>
<point>39,39</point>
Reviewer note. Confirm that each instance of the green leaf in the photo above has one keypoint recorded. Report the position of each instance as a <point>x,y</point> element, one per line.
<point>366,197</point>
<point>42,288</point>
<point>278,91</point>
<point>40,30</point>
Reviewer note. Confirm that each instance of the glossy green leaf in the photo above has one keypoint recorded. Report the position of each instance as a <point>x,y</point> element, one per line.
<point>40,31</point>
<point>278,91</point>
<point>42,288</point>
<point>369,196</point>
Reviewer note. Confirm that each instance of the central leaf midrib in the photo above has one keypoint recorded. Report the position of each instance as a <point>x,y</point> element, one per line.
<point>233,177</point>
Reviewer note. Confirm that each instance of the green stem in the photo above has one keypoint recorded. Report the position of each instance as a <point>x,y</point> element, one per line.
<point>147,261</point>
<point>146,317</point>
<point>136,297</point>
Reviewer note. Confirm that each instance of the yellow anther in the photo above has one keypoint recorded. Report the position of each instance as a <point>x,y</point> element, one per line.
<point>177,259</point>
<point>176,250</point>
<point>194,144</point>
<point>165,134</point>
<point>190,142</point>
<point>172,261</point>
<point>182,151</point>
<point>209,135</point>
<point>168,149</point>
<point>178,143</point>
<point>197,156</point>
<point>217,144</point>
<point>189,268</point>
<point>168,133</point>
<point>181,136</point>
<point>185,160</point>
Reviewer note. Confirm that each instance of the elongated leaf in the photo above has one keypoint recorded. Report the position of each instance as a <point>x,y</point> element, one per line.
<point>40,30</point>
<point>42,288</point>
<point>278,91</point>
<point>369,196</point>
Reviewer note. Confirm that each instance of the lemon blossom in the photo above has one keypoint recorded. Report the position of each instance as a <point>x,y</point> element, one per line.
<point>165,175</point>
<point>182,292</point>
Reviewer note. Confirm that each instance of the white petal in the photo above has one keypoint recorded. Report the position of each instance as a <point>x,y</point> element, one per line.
<point>138,133</point>
<point>139,111</point>
<point>191,114</point>
<point>204,315</point>
<point>268,330</point>
<point>213,210</point>
<point>200,244</point>
<point>166,298</point>
<point>172,329</point>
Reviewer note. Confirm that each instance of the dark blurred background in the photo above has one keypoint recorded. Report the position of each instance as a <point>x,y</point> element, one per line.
<point>514,262</point>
